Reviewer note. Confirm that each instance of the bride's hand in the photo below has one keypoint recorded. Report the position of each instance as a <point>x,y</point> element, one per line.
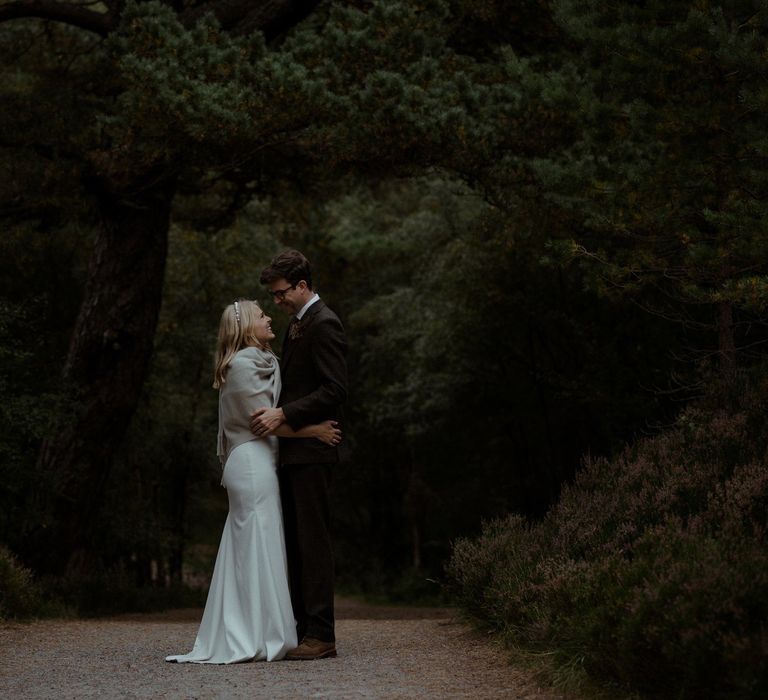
<point>328,432</point>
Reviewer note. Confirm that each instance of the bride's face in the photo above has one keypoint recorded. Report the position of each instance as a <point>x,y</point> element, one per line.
<point>262,328</point>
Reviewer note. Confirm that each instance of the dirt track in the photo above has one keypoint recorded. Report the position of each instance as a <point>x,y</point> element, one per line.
<point>383,653</point>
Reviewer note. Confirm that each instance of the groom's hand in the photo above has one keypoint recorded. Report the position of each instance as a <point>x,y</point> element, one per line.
<point>264,421</point>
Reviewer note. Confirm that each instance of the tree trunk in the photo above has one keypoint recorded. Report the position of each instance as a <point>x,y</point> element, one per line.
<point>112,340</point>
<point>416,548</point>
<point>105,369</point>
<point>726,343</point>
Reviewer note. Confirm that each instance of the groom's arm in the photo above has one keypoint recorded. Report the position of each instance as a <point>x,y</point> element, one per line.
<point>328,350</point>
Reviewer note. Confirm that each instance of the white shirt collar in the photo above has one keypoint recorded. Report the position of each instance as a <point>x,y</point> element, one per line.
<point>315,297</point>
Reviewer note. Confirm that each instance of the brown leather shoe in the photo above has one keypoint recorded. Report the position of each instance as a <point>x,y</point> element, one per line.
<point>311,649</point>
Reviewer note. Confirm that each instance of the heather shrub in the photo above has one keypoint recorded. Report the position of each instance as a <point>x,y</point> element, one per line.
<point>21,596</point>
<point>498,559</point>
<point>652,570</point>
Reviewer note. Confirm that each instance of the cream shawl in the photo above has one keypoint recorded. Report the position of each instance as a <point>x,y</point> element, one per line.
<point>252,381</point>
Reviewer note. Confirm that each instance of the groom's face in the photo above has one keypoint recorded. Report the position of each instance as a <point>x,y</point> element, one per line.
<point>288,297</point>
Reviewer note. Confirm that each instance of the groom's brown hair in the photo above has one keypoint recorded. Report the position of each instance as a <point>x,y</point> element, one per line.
<point>290,265</point>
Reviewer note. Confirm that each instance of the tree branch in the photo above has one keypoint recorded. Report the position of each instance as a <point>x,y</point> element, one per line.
<point>272,17</point>
<point>101,23</point>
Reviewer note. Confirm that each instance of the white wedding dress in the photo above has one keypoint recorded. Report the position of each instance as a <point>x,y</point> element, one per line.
<point>248,614</point>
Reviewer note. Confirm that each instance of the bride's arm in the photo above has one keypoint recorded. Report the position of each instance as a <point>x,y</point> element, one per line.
<point>326,432</point>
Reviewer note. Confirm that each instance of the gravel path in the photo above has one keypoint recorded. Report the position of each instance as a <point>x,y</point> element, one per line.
<point>383,653</point>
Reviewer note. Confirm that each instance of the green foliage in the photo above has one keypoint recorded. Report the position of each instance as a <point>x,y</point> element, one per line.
<point>37,273</point>
<point>115,591</point>
<point>479,377</point>
<point>666,179</point>
<point>652,568</point>
<point>21,596</point>
<point>201,95</point>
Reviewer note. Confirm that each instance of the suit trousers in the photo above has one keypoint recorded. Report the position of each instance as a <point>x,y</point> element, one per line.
<point>304,493</point>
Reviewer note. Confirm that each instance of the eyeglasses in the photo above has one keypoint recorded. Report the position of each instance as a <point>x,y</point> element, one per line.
<point>279,294</point>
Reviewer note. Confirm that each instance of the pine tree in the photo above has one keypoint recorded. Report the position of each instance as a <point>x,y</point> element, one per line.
<point>666,180</point>
<point>117,111</point>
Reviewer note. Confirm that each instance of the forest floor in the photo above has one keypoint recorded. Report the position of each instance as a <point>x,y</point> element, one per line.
<point>384,652</point>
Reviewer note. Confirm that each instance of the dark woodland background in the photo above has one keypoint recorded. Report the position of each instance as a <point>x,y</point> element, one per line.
<point>544,227</point>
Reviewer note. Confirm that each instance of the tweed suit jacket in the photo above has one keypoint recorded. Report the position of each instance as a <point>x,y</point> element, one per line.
<point>314,382</point>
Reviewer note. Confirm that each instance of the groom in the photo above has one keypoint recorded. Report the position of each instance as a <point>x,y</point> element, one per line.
<point>314,375</point>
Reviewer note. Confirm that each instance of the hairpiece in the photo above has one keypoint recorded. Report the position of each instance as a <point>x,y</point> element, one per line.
<point>237,313</point>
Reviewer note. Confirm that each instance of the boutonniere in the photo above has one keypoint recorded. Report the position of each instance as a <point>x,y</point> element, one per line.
<point>295,329</point>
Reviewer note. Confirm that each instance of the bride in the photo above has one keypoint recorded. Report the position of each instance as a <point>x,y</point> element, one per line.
<point>248,613</point>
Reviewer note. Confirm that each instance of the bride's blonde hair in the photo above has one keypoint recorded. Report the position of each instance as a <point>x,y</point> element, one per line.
<point>236,331</point>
